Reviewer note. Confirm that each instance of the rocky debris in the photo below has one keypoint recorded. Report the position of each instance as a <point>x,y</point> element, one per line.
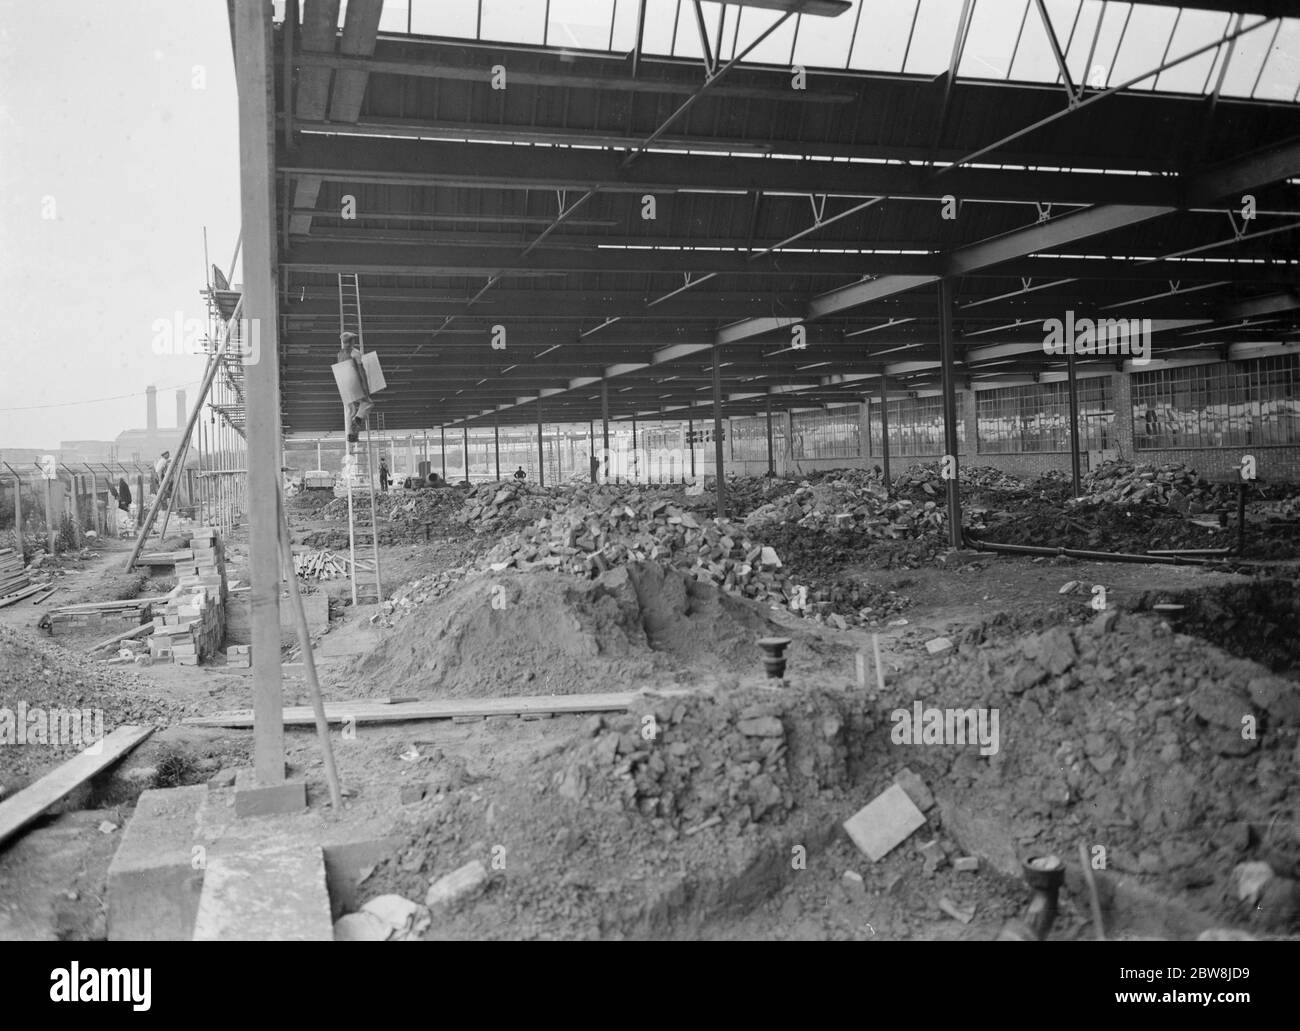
<point>44,676</point>
<point>853,500</point>
<point>461,885</point>
<point>926,479</point>
<point>1174,486</point>
<point>736,758</point>
<point>915,788</point>
<point>592,530</point>
<point>1132,736</point>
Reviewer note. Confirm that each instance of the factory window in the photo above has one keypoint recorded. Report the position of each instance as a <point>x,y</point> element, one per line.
<point>826,434</point>
<point>1036,417</point>
<point>749,437</point>
<point>915,427</point>
<point>1229,404</point>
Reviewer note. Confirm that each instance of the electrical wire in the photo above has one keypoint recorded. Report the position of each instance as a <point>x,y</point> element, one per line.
<point>98,400</point>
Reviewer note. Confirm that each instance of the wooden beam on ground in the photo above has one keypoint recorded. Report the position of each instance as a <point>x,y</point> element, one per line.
<point>381,711</point>
<point>26,592</point>
<point>135,631</point>
<point>17,812</point>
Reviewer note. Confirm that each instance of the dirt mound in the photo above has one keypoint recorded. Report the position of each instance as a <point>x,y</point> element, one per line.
<point>621,832</point>
<point>35,675</point>
<point>1130,737</point>
<point>509,633</point>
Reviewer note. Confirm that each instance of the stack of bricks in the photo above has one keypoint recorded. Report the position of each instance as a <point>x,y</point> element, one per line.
<point>192,626</point>
<point>239,656</point>
<point>103,618</point>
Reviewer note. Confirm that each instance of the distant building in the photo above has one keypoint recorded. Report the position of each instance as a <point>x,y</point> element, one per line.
<point>88,451</point>
<point>147,444</point>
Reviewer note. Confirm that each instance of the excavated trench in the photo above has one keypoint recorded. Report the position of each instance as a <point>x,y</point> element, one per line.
<point>1258,620</point>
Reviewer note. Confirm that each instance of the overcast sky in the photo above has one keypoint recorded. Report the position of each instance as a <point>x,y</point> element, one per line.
<point>107,124</point>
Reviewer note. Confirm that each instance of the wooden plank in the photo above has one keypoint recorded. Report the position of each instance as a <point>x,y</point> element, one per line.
<point>28,804</point>
<point>135,631</point>
<point>381,711</point>
<point>96,606</point>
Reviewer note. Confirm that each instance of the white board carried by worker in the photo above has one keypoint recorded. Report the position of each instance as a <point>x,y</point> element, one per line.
<point>349,383</point>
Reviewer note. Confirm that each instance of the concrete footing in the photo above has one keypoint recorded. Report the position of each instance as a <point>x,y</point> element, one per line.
<point>156,876</point>
<point>253,799</point>
<point>274,892</point>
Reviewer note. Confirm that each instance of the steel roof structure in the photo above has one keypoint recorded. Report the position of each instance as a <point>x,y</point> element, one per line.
<point>1109,180</point>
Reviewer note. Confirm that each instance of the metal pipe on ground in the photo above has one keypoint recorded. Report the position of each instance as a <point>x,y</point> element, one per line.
<point>1093,556</point>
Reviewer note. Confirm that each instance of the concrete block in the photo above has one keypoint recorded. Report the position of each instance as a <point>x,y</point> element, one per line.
<point>884,823</point>
<point>153,886</point>
<point>253,799</point>
<point>266,892</point>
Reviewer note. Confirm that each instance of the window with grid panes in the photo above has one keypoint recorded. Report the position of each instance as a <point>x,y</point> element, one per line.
<point>915,427</point>
<point>826,434</point>
<point>1035,417</point>
<point>1253,403</point>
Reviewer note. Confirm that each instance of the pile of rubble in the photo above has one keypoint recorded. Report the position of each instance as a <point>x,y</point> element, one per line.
<point>489,506</point>
<point>419,506</point>
<point>591,530</point>
<point>737,758</point>
<point>850,501</point>
<point>1174,486</point>
<point>926,479</point>
<point>1175,755</point>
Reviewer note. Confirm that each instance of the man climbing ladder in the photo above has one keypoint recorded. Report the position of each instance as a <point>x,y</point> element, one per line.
<point>357,410</point>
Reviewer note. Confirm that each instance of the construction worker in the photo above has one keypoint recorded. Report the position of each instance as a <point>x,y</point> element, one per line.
<point>350,351</point>
<point>520,474</point>
<point>384,477</point>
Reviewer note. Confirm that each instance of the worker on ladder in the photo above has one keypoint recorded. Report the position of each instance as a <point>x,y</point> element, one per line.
<point>349,351</point>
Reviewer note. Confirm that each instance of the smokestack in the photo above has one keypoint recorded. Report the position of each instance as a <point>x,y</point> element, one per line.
<point>151,409</point>
<point>182,413</point>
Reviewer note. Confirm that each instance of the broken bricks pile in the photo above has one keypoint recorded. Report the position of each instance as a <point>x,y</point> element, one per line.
<point>734,758</point>
<point>1173,755</point>
<point>192,624</point>
<point>926,479</point>
<point>1173,486</point>
<point>420,505</point>
<point>716,551</point>
<point>850,501</point>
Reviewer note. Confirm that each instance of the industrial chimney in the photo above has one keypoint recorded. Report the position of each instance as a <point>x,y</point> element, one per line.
<point>182,413</point>
<point>151,409</point>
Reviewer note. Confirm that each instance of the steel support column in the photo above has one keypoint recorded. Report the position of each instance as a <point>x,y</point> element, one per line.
<point>949,385</point>
<point>604,422</point>
<point>884,430</point>
<point>496,444</point>
<point>1073,378</point>
<point>717,433</point>
<point>256,125</point>
<point>541,453</point>
<point>771,463</point>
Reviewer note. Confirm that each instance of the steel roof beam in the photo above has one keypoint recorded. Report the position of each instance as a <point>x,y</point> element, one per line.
<point>405,162</point>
